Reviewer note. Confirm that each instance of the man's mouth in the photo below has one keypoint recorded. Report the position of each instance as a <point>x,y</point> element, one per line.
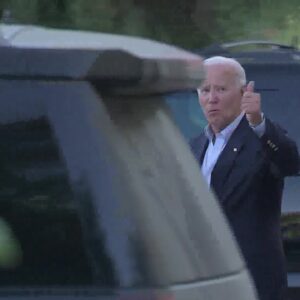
<point>212,111</point>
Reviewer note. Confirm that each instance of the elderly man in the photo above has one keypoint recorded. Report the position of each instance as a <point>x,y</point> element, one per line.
<point>244,157</point>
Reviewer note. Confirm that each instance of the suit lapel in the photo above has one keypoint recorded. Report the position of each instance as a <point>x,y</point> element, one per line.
<point>202,149</point>
<point>226,168</point>
<point>199,146</point>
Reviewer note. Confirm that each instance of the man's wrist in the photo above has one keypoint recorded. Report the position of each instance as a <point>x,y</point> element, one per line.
<point>256,120</point>
<point>260,128</point>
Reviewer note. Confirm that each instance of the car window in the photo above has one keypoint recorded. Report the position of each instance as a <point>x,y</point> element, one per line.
<point>36,201</point>
<point>280,93</point>
<point>186,111</point>
<point>37,204</point>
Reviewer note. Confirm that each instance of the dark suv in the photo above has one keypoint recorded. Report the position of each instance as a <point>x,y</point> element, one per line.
<point>100,196</point>
<point>275,68</point>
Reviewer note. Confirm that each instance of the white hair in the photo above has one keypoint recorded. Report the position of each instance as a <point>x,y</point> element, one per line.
<point>221,60</point>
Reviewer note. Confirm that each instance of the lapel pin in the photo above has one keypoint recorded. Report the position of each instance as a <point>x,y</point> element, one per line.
<point>235,149</point>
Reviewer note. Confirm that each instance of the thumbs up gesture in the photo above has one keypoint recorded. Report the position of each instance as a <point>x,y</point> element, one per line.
<point>250,104</point>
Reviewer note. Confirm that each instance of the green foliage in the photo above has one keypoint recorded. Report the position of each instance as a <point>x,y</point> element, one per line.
<point>93,15</point>
<point>108,16</point>
<point>187,23</point>
<point>19,14</point>
<point>10,249</point>
<point>268,19</point>
<point>177,22</point>
<point>289,32</point>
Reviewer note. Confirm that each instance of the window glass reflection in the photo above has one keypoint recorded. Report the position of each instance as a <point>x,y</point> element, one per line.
<point>37,204</point>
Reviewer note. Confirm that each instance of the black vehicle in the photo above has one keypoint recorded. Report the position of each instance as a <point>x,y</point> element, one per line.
<point>100,196</point>
<point>275,68</point>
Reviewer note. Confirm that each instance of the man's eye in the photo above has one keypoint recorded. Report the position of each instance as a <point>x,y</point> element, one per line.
<point>204,90</point>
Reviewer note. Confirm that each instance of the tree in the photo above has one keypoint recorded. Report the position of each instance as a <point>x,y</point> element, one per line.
<point>187,23</point>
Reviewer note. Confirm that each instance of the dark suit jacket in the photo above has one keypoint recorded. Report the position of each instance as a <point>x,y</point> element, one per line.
<point>248,181</point>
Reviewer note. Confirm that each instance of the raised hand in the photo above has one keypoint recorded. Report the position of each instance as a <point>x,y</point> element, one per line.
<point>251,105</point>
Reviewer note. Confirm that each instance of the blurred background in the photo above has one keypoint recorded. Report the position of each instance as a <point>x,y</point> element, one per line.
<point>191,24</point>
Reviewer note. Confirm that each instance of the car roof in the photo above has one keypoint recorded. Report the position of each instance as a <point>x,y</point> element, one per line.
<point>38,52</point>
<point>256,52</point>
<point>27,36</point>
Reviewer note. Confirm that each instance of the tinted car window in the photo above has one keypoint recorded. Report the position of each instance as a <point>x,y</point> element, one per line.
<point>280,90</point>
<point>36,201</point>
<point>187,113</point>
<point>36,198</point>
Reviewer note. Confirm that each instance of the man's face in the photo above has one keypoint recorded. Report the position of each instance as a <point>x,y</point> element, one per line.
<point>220,96</point>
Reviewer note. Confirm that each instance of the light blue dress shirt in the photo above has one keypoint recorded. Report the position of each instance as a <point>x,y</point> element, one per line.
<point>215,148</point>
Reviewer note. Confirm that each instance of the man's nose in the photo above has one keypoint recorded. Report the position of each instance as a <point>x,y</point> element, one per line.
<point>212,96</point>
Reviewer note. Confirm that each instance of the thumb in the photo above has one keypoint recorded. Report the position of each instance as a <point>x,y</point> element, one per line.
<point>250,87</point>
